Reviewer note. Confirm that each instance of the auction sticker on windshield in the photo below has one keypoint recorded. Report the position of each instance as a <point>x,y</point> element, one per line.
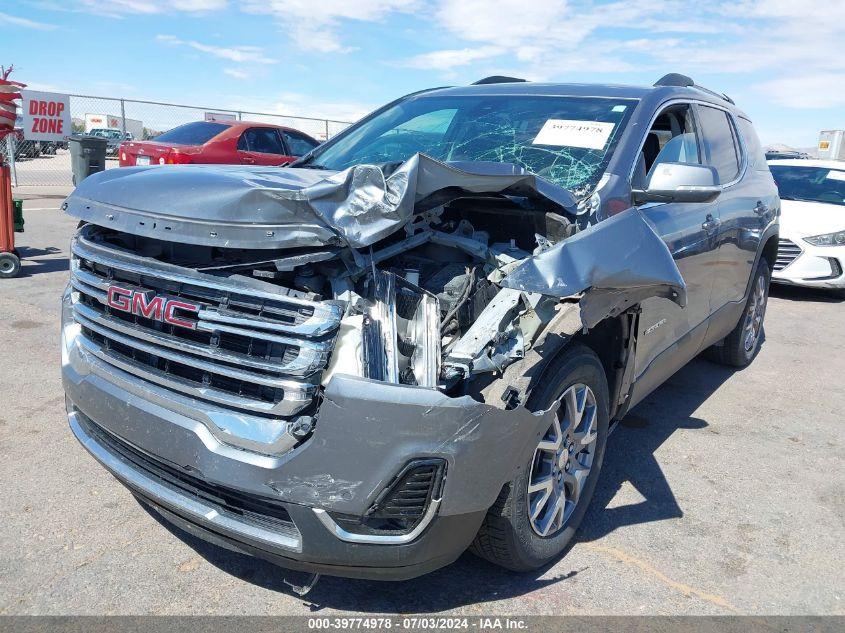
<point>567,133</point>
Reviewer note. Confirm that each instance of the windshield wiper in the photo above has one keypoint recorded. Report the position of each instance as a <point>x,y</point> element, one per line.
<point>308,166</point>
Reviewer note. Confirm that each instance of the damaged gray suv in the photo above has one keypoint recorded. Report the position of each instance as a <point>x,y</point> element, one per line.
<point>414,340</point>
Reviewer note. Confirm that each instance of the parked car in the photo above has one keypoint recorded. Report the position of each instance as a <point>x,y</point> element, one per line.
<point>778,154</point>
<point>113,138</point>
<point>48,148</point>
<point>415,339</point>
<point>25,148</point>
<point>812,235</point>
<point>227,142</point>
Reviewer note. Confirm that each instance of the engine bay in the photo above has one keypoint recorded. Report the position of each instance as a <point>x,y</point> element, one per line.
<point>422,306</point>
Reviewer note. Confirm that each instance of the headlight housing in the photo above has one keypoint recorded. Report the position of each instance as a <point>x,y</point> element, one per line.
<point>828,239</point>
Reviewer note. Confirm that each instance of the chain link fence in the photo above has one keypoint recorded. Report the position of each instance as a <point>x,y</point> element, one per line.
<point>48,163</point>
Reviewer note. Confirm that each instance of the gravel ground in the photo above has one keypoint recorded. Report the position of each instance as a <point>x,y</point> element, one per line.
<point>723,492</point>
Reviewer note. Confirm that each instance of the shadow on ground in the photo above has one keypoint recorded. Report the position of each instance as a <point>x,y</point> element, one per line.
<point>470,580</point>
<point>41,260</point>
<point>797,293</point>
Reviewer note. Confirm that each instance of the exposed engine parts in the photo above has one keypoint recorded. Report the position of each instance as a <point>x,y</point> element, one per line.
<point>421,307</point>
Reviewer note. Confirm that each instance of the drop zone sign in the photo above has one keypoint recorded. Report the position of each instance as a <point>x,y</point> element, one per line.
<point>46,116</point>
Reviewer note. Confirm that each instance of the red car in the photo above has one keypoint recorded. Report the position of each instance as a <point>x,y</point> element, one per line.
<point>230,142</point>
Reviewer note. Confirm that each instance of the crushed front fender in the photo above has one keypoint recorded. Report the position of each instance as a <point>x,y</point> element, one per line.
<point>616,263</point>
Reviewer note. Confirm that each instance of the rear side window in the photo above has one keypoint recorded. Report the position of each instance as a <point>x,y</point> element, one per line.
<point>299,144</point>
<point>264,140</point>
<point>756,156</point>
<point>195,133</point>
<point>720,143</point>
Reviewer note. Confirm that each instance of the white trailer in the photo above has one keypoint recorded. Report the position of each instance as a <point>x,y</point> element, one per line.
<point>832,144</point>
<point>112,122</point>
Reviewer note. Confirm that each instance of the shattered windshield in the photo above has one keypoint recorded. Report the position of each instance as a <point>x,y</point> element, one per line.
<point>566,140</point>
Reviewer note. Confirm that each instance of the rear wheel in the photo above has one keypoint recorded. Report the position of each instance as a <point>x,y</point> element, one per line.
<point>740,346</point>
<point>539,510</point>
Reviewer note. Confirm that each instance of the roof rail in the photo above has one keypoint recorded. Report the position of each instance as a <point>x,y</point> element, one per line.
<point>497,79</point>
<point>677,79</point>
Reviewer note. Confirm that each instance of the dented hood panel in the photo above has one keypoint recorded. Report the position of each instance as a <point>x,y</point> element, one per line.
<point>617,263</point>
<point>270,207</point>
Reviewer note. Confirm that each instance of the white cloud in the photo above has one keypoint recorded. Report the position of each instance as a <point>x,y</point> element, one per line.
<point>548,36</point>
<point>448,59</point>
<point>13,20</point>
<point>795,46</point>
<point>147,7</point>
<point>507,23</point>
<point>822,90</point>
<point>239,54</point>
<point>237,73</point>
<point>294,104</point>
<point>314,24</point>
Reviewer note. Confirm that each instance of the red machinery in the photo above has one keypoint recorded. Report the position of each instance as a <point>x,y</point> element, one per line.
<point>10,263</point>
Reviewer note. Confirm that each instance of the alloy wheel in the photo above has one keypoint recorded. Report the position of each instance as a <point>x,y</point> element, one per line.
<point>754,315</point>
<point>562,461</point>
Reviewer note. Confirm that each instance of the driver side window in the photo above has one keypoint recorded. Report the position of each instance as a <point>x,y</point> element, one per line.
<point>673,138</point>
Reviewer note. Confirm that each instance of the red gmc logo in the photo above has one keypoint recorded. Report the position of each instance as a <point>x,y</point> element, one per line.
<point>146,304</point>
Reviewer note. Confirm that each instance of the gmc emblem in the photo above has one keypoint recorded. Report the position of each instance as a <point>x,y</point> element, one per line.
<point>146,304</point>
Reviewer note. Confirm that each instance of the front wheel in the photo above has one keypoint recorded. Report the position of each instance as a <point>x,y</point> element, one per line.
<point>740,346</point>
<point>537,513</point>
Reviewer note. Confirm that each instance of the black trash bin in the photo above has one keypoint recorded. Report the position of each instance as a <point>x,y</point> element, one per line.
<point>87,156</point>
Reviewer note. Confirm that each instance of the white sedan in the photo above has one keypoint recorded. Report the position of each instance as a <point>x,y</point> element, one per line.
<point>812,225</point>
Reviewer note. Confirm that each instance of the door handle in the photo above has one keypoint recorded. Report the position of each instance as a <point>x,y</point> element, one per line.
<point>711,223</point>
<point>249,161</point>
<point>761,209</point>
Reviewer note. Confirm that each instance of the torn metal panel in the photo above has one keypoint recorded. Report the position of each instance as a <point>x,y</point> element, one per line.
<point>616,263</point>
<point>474,352</point>
<point>268,207</point>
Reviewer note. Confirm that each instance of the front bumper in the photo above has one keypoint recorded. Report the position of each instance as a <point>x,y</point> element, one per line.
<point>366,432</point>
<point>799,263</point>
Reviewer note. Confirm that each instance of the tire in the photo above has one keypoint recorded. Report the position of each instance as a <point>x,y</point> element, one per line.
<point>508,537</point>
<point>735,350</point>
<point>10,265</point>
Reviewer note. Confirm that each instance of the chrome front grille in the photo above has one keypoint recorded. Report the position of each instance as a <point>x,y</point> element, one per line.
<point>788,251</point>
<point>252,349</point>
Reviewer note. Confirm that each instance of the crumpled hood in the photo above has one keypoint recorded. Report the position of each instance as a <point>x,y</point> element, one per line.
<point>270,207</point>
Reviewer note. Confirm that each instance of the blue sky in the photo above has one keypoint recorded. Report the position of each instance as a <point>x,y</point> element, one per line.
<point>782,61</point>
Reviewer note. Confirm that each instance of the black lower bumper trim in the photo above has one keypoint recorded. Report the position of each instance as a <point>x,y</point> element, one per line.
<point>404,572</point>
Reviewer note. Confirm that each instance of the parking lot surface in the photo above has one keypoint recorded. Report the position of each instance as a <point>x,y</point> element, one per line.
<point>723,492</point>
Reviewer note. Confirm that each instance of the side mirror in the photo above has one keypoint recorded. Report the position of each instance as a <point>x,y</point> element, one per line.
<point>679,182</point>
